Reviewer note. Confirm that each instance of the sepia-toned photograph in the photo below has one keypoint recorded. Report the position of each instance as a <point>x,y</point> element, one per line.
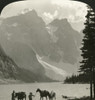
<point>47,49</point>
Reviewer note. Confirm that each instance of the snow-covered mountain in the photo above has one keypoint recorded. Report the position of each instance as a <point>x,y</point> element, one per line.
<point>25,36</point>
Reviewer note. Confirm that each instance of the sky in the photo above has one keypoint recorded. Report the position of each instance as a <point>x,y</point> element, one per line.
<point>51,9</point>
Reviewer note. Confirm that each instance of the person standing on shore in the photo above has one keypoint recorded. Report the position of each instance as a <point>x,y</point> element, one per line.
<point>30,96</point>
<point>13,95</point>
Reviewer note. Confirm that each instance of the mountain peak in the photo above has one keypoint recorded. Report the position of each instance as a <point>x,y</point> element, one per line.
<point>60,22</point>
<point>30,13</point>
<point>34,12</point>
<point>64,20</point>
<point>25,11</point>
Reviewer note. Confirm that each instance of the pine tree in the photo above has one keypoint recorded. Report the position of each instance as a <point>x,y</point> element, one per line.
<point>88,49</point>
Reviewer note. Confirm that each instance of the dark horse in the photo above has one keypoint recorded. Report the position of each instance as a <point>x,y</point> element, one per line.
<point>20,95</point>
<point>52,95</point>
<point>43,93</point>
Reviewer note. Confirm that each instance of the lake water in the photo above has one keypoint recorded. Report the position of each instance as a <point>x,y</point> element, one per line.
<point>72,90</point>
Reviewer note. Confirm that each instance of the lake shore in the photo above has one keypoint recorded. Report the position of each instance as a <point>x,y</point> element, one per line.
<point>69,90</point>
<point>83,98</point>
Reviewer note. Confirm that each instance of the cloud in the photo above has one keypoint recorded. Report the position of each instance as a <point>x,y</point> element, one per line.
<point>73,11</point>
<point>48,16</point>
<point>25,10</point>
<point>49,9</point>
<point>67,3</point>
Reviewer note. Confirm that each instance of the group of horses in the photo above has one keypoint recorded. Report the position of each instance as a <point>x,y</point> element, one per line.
<point>19,96</point>
<point>43,93</point>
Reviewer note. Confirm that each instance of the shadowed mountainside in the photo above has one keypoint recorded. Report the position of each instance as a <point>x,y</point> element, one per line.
<point>10,71</point>
<point>26,35</point>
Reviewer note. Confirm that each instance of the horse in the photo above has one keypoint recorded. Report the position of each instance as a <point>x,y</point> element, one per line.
<point>20,95</point>
<point>43,93</point>
<point>52,95</point>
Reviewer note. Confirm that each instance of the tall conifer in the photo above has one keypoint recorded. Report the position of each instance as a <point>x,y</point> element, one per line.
<point>88,49</point>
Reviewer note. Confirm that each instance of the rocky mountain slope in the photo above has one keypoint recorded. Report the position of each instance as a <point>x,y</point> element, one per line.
<point>7,66</point>
<point>67,41</point>
<point>25,36</point>
<point>11,73</point>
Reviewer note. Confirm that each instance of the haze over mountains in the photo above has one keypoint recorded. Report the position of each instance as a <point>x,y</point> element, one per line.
<point>47,50</point>
<point>10,72</point>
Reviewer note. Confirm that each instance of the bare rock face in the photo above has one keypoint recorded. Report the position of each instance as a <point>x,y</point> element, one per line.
<point>26,35</point>
<point>9,71</point>
<point>8,68</point>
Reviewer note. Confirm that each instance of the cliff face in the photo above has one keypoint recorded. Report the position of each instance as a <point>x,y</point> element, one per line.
<point>67,41</point>
<point>10,71</point>
<point>58,40</point>
<point>26,35</point>
<point>8,68</point>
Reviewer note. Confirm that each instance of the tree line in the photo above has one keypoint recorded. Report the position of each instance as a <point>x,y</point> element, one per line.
<point>81,78</point>
<point>87,68</point>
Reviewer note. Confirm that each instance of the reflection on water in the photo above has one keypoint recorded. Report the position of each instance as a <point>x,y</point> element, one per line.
<point>72,90</point>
